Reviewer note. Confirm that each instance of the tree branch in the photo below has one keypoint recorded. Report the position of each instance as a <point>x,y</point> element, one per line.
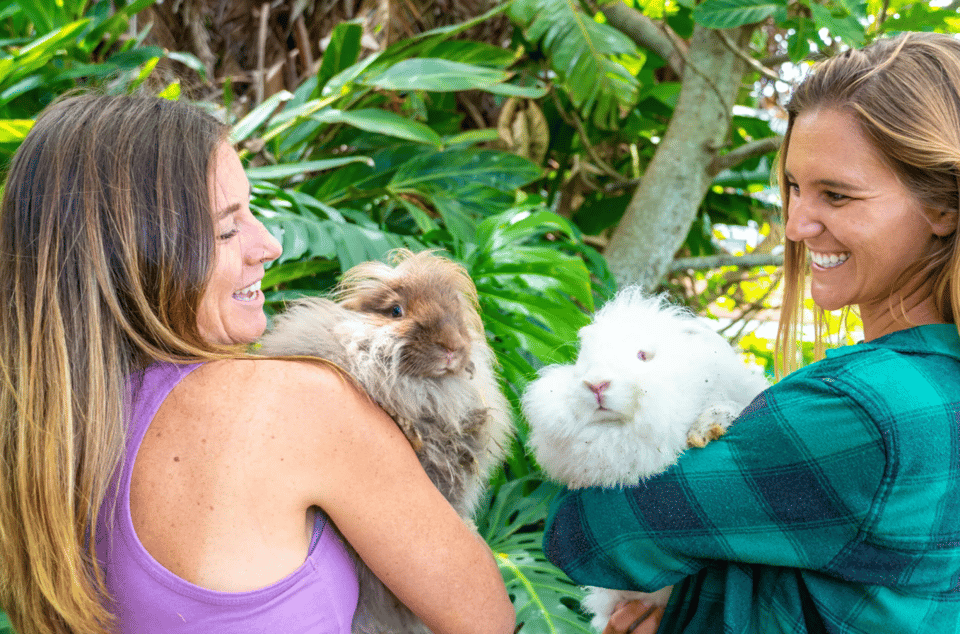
<point>746,57</point>
<point>744,152</point>
<point>718,261</point>
<point>574,120</point>
<point>645,33</point>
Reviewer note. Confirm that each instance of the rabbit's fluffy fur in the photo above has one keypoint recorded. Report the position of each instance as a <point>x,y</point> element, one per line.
<point>650,380</point>
<point>411,336</point>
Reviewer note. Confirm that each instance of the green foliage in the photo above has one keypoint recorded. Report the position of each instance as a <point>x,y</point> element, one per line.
<point>728,14</point>
<point>585,55</point>
<point>48,48</point>
<point>372,154</point>
<point>546,602</point>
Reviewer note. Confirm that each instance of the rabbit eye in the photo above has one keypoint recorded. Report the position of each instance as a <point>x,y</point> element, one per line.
<point>643,355</point>
<point>396,310</point>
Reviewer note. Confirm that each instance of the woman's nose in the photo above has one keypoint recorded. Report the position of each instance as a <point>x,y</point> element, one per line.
<point>802,224</point>
<point>265,248</point>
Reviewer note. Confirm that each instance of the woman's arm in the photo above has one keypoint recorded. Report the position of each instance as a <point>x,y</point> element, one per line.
<point>351,460</point>
<point>789,485</point>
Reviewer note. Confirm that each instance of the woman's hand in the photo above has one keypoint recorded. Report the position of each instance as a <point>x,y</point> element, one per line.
<point>634,617</point>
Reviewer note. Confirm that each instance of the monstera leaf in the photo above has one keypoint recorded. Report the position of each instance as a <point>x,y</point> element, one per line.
<point>546,602</point>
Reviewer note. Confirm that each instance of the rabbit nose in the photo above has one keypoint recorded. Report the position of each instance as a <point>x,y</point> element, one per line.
<point>451,356</point>
<point>597,389</point>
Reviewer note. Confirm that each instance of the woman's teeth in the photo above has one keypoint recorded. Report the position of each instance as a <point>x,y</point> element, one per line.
<point>828,260</point>
<point>248,293</point>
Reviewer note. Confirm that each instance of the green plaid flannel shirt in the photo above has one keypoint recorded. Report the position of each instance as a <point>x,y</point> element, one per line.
<point>831,505</point>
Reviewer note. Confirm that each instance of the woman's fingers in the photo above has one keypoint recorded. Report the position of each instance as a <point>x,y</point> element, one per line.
<point>634,617</point>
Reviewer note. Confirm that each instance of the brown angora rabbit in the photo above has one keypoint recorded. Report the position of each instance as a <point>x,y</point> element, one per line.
<point>411,336</point>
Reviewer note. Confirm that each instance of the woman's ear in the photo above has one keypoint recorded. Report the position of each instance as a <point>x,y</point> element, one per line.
<point>943,222</point>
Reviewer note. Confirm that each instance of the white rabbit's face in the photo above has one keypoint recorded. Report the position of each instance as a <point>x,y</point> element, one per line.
<point>610,371</point>
<point>628,369</point>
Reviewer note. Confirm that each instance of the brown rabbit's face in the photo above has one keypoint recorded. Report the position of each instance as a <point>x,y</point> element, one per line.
<point>429,321</point>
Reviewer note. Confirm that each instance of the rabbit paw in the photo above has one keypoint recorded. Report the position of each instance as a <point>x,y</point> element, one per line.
<point>710,425</point>
<point>409,429</point>
<point>699,439</point>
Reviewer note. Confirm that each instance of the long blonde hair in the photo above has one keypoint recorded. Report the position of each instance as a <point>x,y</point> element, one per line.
<point>905,94</point>
<point>106,244</point>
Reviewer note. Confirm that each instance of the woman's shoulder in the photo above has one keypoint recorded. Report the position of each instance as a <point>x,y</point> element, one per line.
<point>905,385</point>
<point>270,377</point>
<point>913,362</point>
<point>277,393</point>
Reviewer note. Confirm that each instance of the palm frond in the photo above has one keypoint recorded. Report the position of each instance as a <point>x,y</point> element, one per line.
<point>583,53</point>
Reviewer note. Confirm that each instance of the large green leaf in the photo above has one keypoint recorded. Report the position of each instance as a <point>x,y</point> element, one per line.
<point>478,53</point>
<point>436,75</point>
<point>544,598</point>
<point>342,52</point>
<point>729,14</point>
<point>464,170</point>
<point>382,122</point>
<point>267,172</point>
<point>583,54</point>
<point>840,24</point>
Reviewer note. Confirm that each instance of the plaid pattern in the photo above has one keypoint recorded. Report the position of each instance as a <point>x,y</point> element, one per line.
<point>831,505</point>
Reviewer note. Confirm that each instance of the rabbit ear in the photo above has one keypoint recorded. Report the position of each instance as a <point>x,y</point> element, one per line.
<point>365,278</point>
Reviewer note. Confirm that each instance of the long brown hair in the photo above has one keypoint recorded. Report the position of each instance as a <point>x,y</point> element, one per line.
<point>905,94</point>
<point>106,244</point>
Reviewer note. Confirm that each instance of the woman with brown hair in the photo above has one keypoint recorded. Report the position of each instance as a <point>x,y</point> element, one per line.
<point>833,503</point>
<point>156,478</point>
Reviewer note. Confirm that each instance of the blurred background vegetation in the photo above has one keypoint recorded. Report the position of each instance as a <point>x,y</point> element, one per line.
<point>559,149</point>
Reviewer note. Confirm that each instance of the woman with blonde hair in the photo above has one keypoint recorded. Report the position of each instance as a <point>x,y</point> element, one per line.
<point>155,478</point>
<point>833,502</point>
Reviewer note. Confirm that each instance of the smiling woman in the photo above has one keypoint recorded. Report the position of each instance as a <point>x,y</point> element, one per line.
<point>157,479</point>
<point>876,135</point>
<point>863,228</point>
<point>231,309</point>
<point>832,504</point>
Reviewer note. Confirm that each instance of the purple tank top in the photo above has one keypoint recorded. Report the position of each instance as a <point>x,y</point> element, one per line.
<point>320,597</point>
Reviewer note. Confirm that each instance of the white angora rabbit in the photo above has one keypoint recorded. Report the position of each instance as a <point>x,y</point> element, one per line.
<point>651,380</point>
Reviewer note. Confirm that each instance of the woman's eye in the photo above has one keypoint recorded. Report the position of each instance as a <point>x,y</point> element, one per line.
<point>834,197</point>
<point>229,234</point>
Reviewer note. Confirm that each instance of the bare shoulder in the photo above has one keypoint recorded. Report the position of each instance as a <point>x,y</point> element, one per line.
<point>274,376</point>
<point>300,404</point>
<point>305,400</point>
<point>275,385</point>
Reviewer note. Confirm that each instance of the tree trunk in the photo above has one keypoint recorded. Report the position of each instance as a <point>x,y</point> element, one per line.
<point>665,204</point>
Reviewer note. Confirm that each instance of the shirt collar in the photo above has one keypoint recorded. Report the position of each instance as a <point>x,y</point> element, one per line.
<point>942,339</point>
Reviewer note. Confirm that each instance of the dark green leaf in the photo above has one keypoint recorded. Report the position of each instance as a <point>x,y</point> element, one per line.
<point>729,14</point>
<point>342,52</point>
<point>844,26</point>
